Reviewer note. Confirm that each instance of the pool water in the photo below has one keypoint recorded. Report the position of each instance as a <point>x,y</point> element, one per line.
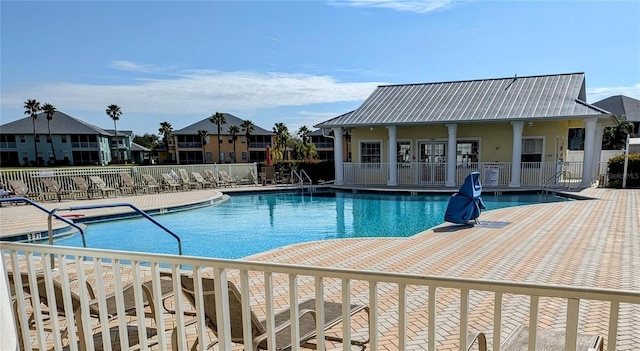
<point>253,223</point>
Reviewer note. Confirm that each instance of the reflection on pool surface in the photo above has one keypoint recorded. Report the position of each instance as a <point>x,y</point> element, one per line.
<point>254,223</point>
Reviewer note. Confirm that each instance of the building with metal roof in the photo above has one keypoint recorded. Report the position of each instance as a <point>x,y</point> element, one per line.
<point>436,133</point>
<point>72,142</point>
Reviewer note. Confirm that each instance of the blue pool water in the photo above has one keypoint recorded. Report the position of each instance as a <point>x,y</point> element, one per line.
<point>254,223</point>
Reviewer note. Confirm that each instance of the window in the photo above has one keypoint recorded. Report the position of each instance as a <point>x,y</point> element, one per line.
<point>531,150</point>
<point>370,152</point>
<point>64,139</point>
<point>22,139</point>
<point>37,138</point>
<point>467,152</point>
<point>244,155</point>
<point>576,139</point>
<point>48,139</point>
<point>243,139</point>
<point>404,151</point>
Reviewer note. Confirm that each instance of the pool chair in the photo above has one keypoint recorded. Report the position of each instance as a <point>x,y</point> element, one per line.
<point>203,182</point>
<point>152,183</point>
<point>548,339</point>
<point>81,186</point>
<point>102,186</point>
<point>226,178</point>
<point>465,205</point>
<point>306,318</point>
<point>52,187</point>
<point>186,179</point>
<point>128,294</point>
<point>213,178</point>
<point>21,190</point>
<point>172,183</point>
<point>128,184</point>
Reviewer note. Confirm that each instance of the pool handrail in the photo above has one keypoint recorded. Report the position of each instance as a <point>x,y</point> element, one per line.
<point>91,207</point>
<point>50,225</point>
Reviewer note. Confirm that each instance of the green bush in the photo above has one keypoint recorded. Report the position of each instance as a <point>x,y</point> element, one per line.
<point>316,170</point>
<point>616,171</point>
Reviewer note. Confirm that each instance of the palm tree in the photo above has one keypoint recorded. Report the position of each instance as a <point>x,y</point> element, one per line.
<point>50,110</point>
<point>234,130</point>
<point>282,137</point>
<point>31,108</point>
<point>303,133</point>
<point>115,112</point>
<point>165,130</point>
<point>218,119</point>
<point>203,139</point>
<point>247,127</point>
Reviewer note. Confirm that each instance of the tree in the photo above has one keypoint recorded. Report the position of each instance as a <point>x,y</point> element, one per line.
<point>31,108</point>
<point>50,110</point>
<point>234,131</point>
<point>115,112</point>
<point>615,138</point>
<point>303,134</point>
<point>218,119</point>
<point>248,128</point>
<point>203,139</point>
<point>165,131</point>
<point>147,140</point>
<point>282,137</point>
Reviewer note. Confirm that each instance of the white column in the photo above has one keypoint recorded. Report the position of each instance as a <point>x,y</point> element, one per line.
<point>588,161</point>
<point>393,156</point>
<point>597,147</point>
<point>517,153</point>
<point>337,155</point>
<point>452,148</point>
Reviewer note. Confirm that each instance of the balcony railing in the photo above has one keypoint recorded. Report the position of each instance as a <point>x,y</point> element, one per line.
<point>395,301</point>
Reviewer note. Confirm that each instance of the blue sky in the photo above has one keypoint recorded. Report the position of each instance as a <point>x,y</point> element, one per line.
<point>296,62</point>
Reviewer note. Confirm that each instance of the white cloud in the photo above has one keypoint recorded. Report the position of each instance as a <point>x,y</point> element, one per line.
<point>597,94</point>
<point>199,92</point>
<point>416,6</point>
<point>135,67</point>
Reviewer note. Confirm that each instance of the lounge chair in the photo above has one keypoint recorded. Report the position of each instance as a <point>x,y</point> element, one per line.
<point>152,183</point>
<point>186,180</point>
<point>548,339</point>
<point>225,177</point>
<point>102,186</point>
<point>172,183</point>
<point>128,294</point>
<point>128,184</point>
<point>52,187</point>
<point>82,186</point>
<point>213,178</point>
<point>306,319</point>
<point>21,189</point>
<point>203,182</point>
<point>268,175</point>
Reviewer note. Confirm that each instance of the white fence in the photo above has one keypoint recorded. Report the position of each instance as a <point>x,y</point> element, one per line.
<point>399,303</point>
<point>496,174</point>
<point>32,176</point>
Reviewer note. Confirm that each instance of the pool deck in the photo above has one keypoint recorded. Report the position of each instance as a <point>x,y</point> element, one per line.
<point>592,243</point>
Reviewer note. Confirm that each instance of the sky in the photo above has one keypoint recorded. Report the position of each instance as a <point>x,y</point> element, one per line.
<point>293,62</point>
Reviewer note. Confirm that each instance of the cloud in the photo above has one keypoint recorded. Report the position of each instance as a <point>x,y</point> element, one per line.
<point>597,94</point>
<point>198,92</point>
<point>135,67</point>
<point>415,6</point>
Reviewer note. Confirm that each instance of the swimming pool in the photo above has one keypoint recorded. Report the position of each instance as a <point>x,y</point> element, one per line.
<point>252,223</point>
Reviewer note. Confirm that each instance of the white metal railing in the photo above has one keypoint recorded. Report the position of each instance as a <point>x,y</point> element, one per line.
<point>497,174</point>
<point>300,177</point>
<point>446,307</point>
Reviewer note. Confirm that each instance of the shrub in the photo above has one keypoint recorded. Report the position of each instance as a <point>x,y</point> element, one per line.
<point>616,170</point>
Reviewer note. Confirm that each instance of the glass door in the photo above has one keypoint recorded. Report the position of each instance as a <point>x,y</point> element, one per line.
<point>433,157</point>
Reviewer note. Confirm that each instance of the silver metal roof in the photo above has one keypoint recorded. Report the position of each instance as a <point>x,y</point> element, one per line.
<point>514,98</point>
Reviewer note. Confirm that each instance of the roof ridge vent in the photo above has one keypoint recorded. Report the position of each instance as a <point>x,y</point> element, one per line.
<point>515,77</point>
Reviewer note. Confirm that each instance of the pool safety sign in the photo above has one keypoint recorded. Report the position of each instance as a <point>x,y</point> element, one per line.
<point>491,174</point>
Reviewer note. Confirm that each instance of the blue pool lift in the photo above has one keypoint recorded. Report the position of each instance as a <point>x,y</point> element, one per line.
<point>465,205</point>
